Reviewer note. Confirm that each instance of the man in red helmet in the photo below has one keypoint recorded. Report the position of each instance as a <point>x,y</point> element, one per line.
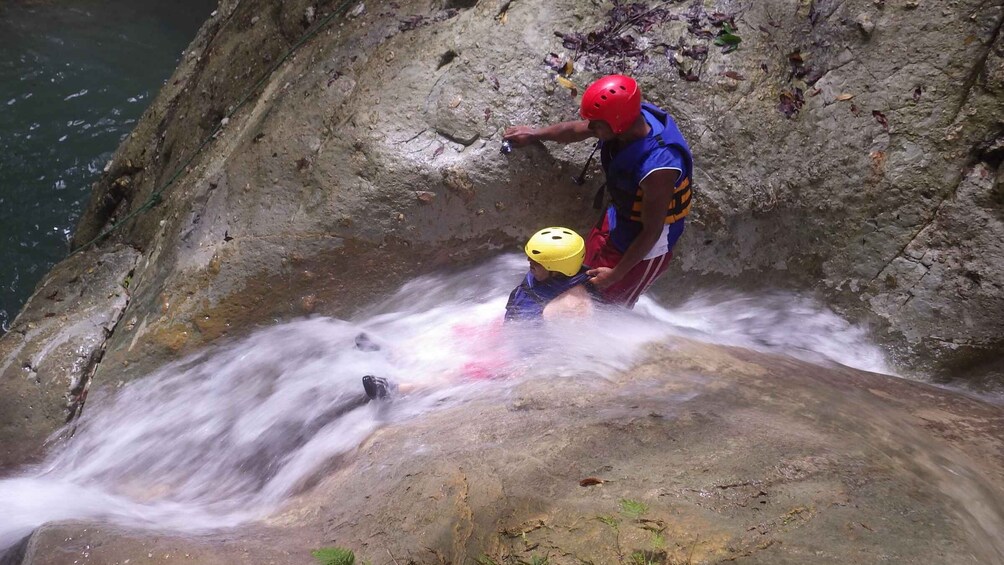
<point>648,167</point>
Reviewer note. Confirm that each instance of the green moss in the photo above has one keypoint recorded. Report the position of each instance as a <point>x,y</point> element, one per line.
<point>334,556</point>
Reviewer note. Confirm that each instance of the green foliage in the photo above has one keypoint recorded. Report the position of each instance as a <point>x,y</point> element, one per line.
<point>485,560</point>
<point>641,558</point>
<point>610,521</point>
<point>534,560</point>
<point>334,556</point>
<point>658,540</point>
<point>632,508</point>
<point>727,38</point>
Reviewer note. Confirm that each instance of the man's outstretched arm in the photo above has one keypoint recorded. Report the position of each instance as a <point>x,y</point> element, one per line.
<point>562,132</point>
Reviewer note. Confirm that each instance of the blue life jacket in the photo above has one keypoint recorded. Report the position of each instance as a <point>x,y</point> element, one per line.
<point>527,301</point>
<point>625,167</point>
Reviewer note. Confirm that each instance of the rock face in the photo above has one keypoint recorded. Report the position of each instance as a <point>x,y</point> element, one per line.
<point>54,346</point>
<point>698,454</point>
<point>852,148</point>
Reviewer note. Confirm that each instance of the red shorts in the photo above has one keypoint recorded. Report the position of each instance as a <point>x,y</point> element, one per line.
<point>601,252</point>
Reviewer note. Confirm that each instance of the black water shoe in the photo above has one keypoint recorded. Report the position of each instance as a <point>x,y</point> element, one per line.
<point>377,388</point>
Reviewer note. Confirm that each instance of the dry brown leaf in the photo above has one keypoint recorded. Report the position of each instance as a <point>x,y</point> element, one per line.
<point>590,481</point>
<point>843,97</point>
<point>568,69</point>
<point>564,82</point>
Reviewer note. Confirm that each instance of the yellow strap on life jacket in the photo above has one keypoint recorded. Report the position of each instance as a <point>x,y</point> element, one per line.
<point>678,208</point>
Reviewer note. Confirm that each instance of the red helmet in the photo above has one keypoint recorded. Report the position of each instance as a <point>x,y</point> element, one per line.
<point>615,99</point>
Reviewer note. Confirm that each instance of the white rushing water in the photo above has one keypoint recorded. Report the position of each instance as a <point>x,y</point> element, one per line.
<point>225,436</point>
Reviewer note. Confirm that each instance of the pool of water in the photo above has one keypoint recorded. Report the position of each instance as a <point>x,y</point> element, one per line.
<point>74,79</point>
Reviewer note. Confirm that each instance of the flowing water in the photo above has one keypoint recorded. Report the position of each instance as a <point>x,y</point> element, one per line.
<point>74,78</point>
<point>225,436</point>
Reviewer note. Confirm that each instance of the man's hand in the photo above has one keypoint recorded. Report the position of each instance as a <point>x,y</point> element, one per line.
<point>520,136</point>
<point>603,277</point>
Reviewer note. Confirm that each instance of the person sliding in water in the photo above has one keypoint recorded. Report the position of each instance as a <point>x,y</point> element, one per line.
<point>554,287</point>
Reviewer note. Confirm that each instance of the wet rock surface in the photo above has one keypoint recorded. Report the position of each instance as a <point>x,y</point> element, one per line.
<point>770,461</point>
<point>53,347</point>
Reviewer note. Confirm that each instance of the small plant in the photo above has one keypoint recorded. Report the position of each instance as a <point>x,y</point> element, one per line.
<point>647,558</point>
<point>727,38</point>
<point>485,560</point>
<point>632,508</point>
<point>334,556</point>
<point>610,521</point>
<point>658,540</point>
<point>535,560</point>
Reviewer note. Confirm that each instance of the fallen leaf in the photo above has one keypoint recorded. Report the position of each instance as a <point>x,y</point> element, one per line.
<point>590,481</point>
<point>699,52</point>
<point>439,151</point>
<point>790,102</point>
<point>554,61</point>
<point>797,64</point>
<point>425,196</point>
<point>878,162</point>
<point>916,94</point>
<point>488,114</point>
<point>880,118</point>
<point>568,68</point>
<point>843,97</point>
<point>564,82</point>
<point>734,75</point>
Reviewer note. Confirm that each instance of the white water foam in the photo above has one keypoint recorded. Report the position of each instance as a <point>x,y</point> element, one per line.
<point>225,436</point>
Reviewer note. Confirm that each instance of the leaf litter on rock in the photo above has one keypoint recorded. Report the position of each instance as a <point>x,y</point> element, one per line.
<point>611,40</point>
<point>880,118</point>
<point>790,102</point>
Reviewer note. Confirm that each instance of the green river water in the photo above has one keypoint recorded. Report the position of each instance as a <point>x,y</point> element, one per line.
<point>74,79</point>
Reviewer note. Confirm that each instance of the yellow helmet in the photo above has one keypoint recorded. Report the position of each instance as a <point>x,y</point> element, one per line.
<point>557,249</point>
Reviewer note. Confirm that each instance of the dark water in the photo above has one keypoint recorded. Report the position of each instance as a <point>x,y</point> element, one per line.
<point>75,76</point>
